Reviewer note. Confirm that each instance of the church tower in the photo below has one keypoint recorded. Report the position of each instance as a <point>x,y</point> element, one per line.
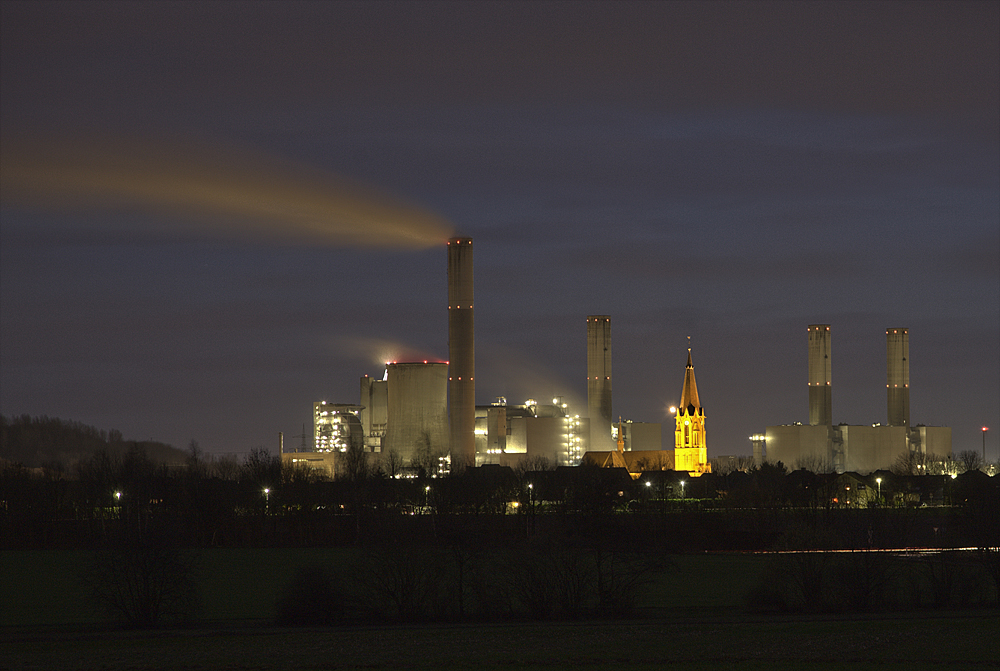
<point>690,453</point>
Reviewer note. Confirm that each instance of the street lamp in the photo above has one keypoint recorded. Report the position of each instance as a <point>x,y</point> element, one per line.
<point>267,499</point>
<point>682,489</point>
<point>427,493</point>
<point>878,481</point>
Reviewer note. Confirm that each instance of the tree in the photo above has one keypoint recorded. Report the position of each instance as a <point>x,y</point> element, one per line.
<point>425,457</point>
<point>260,468</point>
<point>391,463</point>
<point>730,464</point>
<point>815,464</point>
<point>908,463</point>
<point>142,578</point>
<point>970,460</point>
<point>355,464</point>
<point>530,465</point>
<point>226,468</point>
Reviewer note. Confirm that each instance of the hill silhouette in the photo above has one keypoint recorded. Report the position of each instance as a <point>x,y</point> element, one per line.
<point>48,441</point>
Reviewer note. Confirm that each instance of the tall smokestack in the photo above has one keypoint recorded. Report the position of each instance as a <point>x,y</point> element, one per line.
<point>820,396</point>
<point>897,357</point>
<point>461,354</point>
<point>599,380</point>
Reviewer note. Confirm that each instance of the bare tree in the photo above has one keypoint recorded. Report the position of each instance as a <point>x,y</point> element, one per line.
<point>425,457</point>
<point>815,464</point>
<point>226,468</point>
<point>908,463</point>
<point>970,460</point>
<point>355,462</point>
<point>195,461</point>
<point>390,463</point>
<point>142,579</point>
<point>531,464</point>
<point>730,464</point>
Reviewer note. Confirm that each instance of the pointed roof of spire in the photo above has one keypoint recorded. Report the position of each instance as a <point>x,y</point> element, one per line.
<point>689,396</point>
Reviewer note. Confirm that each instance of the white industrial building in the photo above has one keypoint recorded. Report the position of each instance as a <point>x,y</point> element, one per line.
<point>824,446</point>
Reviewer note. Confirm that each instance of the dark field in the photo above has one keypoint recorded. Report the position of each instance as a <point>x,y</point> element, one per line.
<point>693,615</point>
<point>967,641</point>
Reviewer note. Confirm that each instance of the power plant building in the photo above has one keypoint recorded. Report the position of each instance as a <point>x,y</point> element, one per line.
<point>639,436</point>
<point>375,413</point>
<point>336,427</point>
<point>823,446</point>
<point>507,434</point>
<point>423,411</point>
<point>417,410</point>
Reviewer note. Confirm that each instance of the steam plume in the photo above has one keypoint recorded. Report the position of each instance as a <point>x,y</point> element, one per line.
<point>216,189</point>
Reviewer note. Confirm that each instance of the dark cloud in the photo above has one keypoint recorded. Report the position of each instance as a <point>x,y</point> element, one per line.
<point>729,171</point>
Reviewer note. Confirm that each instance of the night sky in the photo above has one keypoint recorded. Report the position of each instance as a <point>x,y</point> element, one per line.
<point>215,214</point>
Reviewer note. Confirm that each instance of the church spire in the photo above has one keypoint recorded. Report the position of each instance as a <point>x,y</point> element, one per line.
<point>690,453</point>
<point>689,395</point>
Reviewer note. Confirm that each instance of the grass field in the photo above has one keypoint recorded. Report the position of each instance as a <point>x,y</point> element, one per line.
<point>44,588</point>
<point>692,616</point>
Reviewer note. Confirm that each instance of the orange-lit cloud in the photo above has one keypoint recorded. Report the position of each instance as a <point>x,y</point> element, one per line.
<point>211,188</point>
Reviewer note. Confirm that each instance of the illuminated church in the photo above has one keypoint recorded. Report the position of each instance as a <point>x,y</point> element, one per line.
<point>690,452</point>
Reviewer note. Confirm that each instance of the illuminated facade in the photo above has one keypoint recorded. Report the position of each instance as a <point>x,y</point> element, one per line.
<point>506,434</point>
<point>690,451</point>
<point>336,427</point>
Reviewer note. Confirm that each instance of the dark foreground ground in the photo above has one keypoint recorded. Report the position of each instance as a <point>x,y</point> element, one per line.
<point>693,615</point>
<point>967,640</point>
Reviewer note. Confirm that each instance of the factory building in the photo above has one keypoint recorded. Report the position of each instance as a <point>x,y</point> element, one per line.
<point>375,412</point>
<point>507,434</point>
<point>405,411</point>
<point>336,427</point>
<point>638,436</point>
<point>421,410</point>
<point>823,446</point>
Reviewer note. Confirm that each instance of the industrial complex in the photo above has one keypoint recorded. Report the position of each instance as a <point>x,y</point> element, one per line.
<point>823,446</point>
<point>425,416</point>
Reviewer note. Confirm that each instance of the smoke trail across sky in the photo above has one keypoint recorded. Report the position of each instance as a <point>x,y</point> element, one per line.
<point>215,189</point>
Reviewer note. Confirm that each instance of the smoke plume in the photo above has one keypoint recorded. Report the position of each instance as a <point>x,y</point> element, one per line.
<point>211,188</point>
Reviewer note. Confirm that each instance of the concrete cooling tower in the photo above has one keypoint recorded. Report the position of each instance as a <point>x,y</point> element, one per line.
<point>417,415</point>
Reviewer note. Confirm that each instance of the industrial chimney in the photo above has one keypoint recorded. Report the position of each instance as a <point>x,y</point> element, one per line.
<point>599,380</point>
<point>461,354</point>
<point>897,355</point>
<point>820,396</point>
